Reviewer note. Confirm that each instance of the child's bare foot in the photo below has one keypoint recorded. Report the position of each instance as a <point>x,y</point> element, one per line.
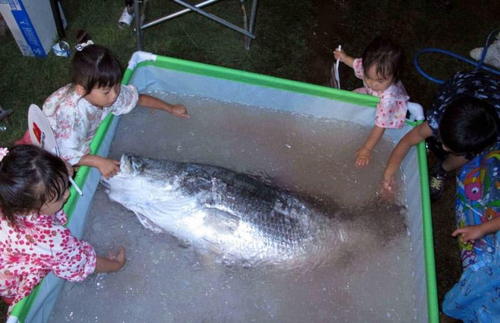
<point>111,263</point>
<point>120,258</point>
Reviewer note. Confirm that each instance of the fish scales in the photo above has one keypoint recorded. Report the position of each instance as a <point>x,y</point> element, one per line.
<point>245,219</point>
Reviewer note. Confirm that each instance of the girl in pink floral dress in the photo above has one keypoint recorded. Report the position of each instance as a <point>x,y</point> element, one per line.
<point>380,69</point>
<point>76,110</point>
<point>33,240</point>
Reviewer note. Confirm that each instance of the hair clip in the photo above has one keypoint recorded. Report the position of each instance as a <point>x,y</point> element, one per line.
<point>3,153</point>
<point>81,46</point>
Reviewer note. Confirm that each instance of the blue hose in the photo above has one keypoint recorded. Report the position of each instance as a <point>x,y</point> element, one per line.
<point>479,65</point>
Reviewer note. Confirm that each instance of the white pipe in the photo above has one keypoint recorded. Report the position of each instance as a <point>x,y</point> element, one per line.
<point>125,19</point>
<point>416,111</point>
<point>139,57</point>
<point>337,63</point>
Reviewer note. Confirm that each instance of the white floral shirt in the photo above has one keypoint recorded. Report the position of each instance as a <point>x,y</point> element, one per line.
<point>391,110</point>
<point>35,246</point>
<point>74,120</point>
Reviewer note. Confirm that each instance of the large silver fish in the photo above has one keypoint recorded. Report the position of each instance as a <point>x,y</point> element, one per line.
<point>236,216</point>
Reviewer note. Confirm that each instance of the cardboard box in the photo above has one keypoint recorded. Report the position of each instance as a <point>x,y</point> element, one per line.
<point>32,25</point>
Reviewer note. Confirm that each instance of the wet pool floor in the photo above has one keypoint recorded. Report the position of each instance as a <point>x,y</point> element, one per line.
<point>165,280</point>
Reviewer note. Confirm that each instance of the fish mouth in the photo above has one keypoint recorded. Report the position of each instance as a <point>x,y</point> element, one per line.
<point>126,164</point>
<point>130,164</point>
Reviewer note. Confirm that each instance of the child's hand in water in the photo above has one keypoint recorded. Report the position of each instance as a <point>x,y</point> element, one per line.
<point>180,111</point>
<point>388,188</point>
<point>340,54</point>
<point>362,157</point>
<point>108,167</point>
<point>470,233</point>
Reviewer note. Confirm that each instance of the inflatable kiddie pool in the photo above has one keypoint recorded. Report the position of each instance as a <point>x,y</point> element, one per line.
<point>152,72</point>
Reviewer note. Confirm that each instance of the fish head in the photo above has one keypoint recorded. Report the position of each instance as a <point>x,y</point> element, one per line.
<point>131,164</point>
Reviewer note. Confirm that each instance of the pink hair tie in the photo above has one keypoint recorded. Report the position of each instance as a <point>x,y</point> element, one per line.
<point>3,153</point>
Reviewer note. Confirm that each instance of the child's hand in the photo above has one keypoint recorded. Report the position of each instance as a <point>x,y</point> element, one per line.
<point>470,233</point>
<point>340,54</point>
<point>388,188</point>
<point>108,167</point>
<point>180,111</point>
<point>70,169</point>
<point>362,157</point>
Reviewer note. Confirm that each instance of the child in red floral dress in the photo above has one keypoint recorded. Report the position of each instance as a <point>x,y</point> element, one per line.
<point>33,240</point>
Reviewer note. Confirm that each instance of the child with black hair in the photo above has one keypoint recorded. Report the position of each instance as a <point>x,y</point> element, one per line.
<point>465,122</point>
<point>76,110</point>
<point>380,68</point>
<point>33,239</point>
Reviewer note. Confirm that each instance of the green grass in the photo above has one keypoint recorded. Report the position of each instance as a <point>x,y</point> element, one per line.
<point>284,46</point>
<point>26,80</point>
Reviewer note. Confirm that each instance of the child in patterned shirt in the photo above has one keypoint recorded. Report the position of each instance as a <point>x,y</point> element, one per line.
<point>76,110</point>
<point>33,239</point>
<point>464,121</point>
<point>380,69</point>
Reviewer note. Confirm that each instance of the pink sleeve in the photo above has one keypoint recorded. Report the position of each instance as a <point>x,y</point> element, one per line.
<point>391,110</point>
<point>127,100</point>
<point>357,65</point>
<point>69,122</point>
<point>68,257</point>
<point>71,135</point>
<point>389,115</point>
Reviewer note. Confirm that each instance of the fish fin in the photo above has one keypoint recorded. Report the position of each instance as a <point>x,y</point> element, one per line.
<point>148,224</point>
<point>214,250</point>
<point>262,177</point>
<point>211,257</point>
<point>209,260</point>
<point>222,221</point>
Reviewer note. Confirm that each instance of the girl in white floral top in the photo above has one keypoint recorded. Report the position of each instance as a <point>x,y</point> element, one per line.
<point>380,69</point>
<point>76,110</point>
<point>33,239</point>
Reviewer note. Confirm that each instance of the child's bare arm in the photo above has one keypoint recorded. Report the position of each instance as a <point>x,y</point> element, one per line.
<point>363,154</point>
<point>344,58</point>
<point>177,110</point>
<point>106,166</point>
<point>415,136</point>
<point>106,265</point>
<point>473,232</point>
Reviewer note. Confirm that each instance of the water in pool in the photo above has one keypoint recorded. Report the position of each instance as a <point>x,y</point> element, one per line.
<point>166,280</point>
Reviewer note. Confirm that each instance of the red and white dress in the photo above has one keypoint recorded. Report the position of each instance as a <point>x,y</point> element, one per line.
<point>74,120</point>
<point>35,246</point>
<point>391,110</point>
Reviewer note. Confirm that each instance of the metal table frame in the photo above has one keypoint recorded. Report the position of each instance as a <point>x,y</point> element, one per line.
<point>248,29</point>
